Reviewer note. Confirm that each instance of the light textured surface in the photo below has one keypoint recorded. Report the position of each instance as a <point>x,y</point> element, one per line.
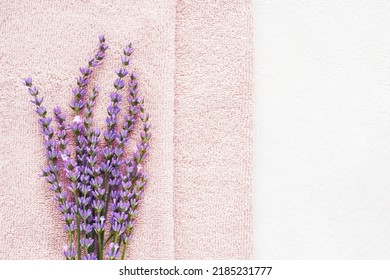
<point>201,126</point>
<point>322,180</point>
<point>213,130</point>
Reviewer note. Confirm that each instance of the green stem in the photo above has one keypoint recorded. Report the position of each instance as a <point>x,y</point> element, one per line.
<point>100,247</point>
<point>70,242</point>
<point>107,196</point>
<point>125,245</point>
<point>124,250</point>
<point>105,207</point>
<point>78,229</point>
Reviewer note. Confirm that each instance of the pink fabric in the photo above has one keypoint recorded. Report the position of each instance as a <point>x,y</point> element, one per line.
<point>194,63</point>
<point>212,139</point>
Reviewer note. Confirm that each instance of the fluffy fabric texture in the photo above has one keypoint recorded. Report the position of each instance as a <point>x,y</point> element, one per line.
<point>195,67</point>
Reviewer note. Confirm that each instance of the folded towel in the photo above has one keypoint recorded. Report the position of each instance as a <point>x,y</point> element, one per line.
<point>212,139</point>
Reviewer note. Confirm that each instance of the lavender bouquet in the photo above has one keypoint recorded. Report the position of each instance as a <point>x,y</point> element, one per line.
<point>97,188</point>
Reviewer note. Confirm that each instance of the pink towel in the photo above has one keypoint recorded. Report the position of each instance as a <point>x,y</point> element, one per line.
<point>194,63</point>
<point>212,139</point>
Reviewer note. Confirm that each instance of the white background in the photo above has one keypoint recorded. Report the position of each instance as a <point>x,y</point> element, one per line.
<point>322,129</point>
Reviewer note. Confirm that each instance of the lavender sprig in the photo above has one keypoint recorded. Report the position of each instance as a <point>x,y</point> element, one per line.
<point>135,180</point>
<point>51,171</point>
<point>112,153</point>
<point>79,128</point>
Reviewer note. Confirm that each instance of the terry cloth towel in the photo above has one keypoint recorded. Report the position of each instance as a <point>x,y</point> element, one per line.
<point>194,60</point>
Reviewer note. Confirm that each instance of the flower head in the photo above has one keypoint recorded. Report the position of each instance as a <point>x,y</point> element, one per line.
<point>28,81</point>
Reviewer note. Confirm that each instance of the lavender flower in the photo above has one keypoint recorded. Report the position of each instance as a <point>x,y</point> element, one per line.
<point>95,187</point>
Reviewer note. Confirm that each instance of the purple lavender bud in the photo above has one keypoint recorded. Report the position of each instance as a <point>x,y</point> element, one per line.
<point>145,177</point>
<point>83,187</point>
<point>94,140</point>
<point>41,111</point>
<point>113,110</point>
<point>123,206</point>
<point>119,84</point>
<point>118,152</point>
<point>65,207</point>
<point>69,217</point>
<point>109,136</point>
<point>82,140</point>
<point>96,132</point>
<point>33,91</point>
<point>69,254</point>
<point>77,105</point>
<point>147,126</point>
<point>28,82</point>
<point>103,47</point>
<point>145,136</point>
<point>123,134</point>
<point>79,92</point>
<point>118,228</point>
<point>85,71</point>
<point>70,229</point>
<point>122,72</point>
<point>84,178</point>
<point>126,185</point>
<point>61,134</point>
<point>115,195</point>
<point>63,144</point>
<point>72,187</point>
<point>107,153</point>
<point>113,182</point>
<point>84,214</point>
<point>126,237</point>
<point>111,122</point>
<point>114,205</point>
<point>134,110</point>
<point>55,188</point>
<point>100,55</point>
<point>98,193</point>
<point>137,156</point>
<point>76,127</point>
<point>99,225</point>
<point>125,60</point>
<point>73,175</point>
<point>133,203</point>
<point>51,145</point>
<point>92,62</point>
<point>86,228</point>
<point>51,179</point>
<point>89,257</point>
<point>102,39</point>
<point>84,201</point>
<point>86,242</point>
<point>133,213</point>
<point>74,209</point>
<point>120,217</point>
<point>130,224</point>
<point>97,182</point>
<point>98,205</point>
<point>113,251</point>
<point>128,50</point>
<point>82,81</point>
<point>70,164</point>
<point>133,76</point>
<point>45,122</point>
<point>60,196</point>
